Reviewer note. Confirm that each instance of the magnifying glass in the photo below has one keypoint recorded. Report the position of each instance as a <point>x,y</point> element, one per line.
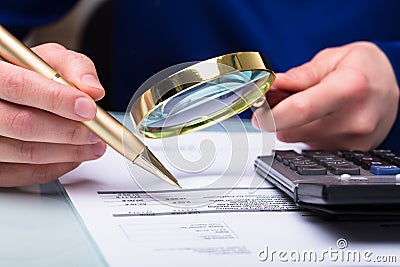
<point>202,94</point>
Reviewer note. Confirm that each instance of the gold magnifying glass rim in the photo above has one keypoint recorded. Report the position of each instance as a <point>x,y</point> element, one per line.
<point>193,76</point>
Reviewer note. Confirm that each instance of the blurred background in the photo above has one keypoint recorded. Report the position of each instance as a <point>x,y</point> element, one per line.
<point>87,28</point>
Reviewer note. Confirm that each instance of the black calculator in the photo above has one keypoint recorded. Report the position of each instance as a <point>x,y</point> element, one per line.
<point>353,184</point>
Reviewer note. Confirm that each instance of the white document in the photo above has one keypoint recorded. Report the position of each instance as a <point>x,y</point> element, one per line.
<point>225,215</point>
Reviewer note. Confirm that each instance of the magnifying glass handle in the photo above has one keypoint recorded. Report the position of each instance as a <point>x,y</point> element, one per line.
<point>104,125</point>
<point>274,96</point>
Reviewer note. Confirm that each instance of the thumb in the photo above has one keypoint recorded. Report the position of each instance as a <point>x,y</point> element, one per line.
<point>310,73</point>
<point>75,67</point>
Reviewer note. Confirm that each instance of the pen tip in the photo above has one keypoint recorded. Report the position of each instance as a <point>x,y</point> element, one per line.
<point>150,163</point>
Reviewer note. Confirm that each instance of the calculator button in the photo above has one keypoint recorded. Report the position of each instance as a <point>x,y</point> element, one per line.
<point>338,162</point>
<point>328,162</point>
<point>355,154</point>
<point>281,154</point>
<point>395,161</point>
<point>392,158</point>
<point>381,151</point>
<point>311,170</point>
<point>366,164</point>
<point>359,160</point>
<point>294,164</point>
<point>384,170</point>
<point>317,153</point>
<point>324,159</point>
<point>339,169</point>
<point>287,160</point>
<point>343,153</point>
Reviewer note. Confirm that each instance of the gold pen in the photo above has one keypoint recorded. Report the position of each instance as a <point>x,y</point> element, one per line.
<point>104,125</point>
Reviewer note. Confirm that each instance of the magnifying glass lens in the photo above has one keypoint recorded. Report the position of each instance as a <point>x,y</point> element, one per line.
<point>203,101</point>
<point>206,104</point>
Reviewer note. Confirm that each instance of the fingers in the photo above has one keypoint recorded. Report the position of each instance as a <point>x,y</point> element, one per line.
<point>306,105</point>
<point>15,174</point>
<point>41,137</point>
<point>336,90</point>
<point>17,151</point>
<point>357,126</point>
<point>337,100</point>
<point>312,72</point>
<point>273,97</point>
<point>338,129</point>
<point>262,119</point>
<point>336,142</point>
<point>74,67</point>
<point>31,124</point>
<point>27,88</point>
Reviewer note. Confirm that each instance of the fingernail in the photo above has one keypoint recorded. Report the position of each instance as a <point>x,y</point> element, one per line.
<point>99,148</point>
<point>91,81</point>
<point>84,108</point>
<point>94,138</point>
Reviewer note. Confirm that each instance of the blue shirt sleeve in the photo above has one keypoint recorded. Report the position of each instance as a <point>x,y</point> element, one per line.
<point>392,50</point>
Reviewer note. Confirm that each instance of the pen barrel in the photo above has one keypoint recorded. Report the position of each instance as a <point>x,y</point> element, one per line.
<point>103,125</point>
<point>15,52</point>
<point>110,130</point>
<point>115,134</point>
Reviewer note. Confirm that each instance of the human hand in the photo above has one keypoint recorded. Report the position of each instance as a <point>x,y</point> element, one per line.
<point>344,98</point>
<point>41,136</point>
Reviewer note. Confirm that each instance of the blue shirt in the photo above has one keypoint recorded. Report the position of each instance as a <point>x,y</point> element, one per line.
<point>152,35</point>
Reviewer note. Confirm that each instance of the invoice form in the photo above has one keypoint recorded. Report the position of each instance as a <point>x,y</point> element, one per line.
<point>223,215</point>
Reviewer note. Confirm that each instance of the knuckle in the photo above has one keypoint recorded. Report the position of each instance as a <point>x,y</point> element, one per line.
<point>358,92</point>
<point>74,134</point>
<point>46,47</point>
<point>326,52</point>
<point>5,177</point>
<point>54,46</point>
<point>283,136</point>
<point>359,82</point>
<point>306,72</point>
<point>14,85</point>
<point>311,74</point>
<point>79,153</point>
<point>21,124</point>
<point>363,126</point>
<point>55,99</point>
<point>42,174</point>
<point>303,110</point>
<point>27,152</point>
<point>76,59</point>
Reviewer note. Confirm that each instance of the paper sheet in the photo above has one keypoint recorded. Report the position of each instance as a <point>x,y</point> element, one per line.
<point>223,216</point>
